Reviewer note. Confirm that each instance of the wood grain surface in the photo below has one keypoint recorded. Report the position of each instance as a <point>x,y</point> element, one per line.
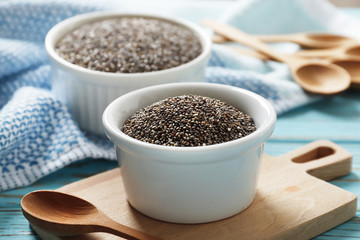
<point>289,204</point>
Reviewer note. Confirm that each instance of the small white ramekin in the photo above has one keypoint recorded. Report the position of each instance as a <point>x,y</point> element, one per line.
<point>190,184</point>
<point>87,92</point>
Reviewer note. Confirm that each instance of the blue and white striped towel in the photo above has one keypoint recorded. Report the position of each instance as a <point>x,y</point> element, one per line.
<point>38,135</point>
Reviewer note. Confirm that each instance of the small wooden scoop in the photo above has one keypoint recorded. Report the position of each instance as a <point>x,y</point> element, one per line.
<point>348,57</point>
<point>66,215</point>
<point>306,40</point>
<point>313,75</point>
<point>351,65</point>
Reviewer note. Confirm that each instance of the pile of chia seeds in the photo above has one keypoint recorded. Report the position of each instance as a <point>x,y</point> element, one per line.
<point>129,45</point>
<point>188,121</point>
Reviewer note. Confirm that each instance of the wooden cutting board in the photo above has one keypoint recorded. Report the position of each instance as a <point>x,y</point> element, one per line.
<point>292,202</point>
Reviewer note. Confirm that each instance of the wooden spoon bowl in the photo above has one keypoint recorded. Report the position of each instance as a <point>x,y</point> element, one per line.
<point>353,51</point>
<point>313,75</point>
<point>321,76</point>
<point>352,66</point>
<point>346,51</point>
<point>66,215</point>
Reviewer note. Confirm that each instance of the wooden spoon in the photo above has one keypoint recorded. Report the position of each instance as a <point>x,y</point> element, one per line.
<point>313,75</point>
<point>306,40</point>
<point>347,51</point>
<point>67,215</point>
<point>351,65</point>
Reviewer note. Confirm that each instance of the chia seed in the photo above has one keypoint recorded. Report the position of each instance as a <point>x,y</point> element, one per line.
<point>129,45</point>
<point>188,121</point>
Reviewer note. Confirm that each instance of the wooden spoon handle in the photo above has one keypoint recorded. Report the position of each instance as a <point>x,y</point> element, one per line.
<point>321,53</point>
<point>219,39</point>
<point>265,38</point>
<point>236,35</point>
<point>123,231</point>
<point>248,52</point>
<point>297,38</point>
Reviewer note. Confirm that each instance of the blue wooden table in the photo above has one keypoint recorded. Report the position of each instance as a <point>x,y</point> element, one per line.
<point>335,118</point>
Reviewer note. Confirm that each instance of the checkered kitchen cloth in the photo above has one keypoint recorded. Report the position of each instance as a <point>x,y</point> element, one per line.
<point>37,133</point>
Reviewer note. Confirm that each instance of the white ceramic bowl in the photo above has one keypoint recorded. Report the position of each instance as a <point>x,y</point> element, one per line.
<point>87,92</point>
<point>190,184</point>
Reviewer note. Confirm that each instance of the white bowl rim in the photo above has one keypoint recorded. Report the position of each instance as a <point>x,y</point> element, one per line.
<point>114,132</point>
<point>98,15</point>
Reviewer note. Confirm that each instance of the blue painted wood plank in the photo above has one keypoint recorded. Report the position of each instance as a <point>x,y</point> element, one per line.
<point>336,118</point>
